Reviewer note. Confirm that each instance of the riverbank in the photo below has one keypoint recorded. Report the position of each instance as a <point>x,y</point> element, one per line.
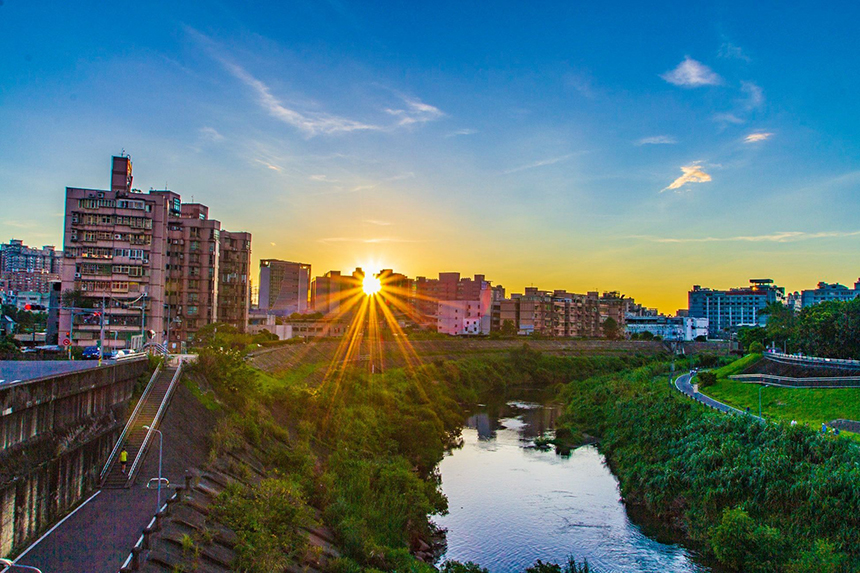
<point>757,497</point>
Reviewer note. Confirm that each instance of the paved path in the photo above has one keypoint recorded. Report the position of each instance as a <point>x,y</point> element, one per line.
<point>684,384</point>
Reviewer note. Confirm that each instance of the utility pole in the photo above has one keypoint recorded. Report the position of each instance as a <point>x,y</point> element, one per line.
<point>102,333</point>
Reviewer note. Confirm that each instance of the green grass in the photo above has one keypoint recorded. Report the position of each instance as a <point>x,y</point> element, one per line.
<point>737,366</point>
<point>294,376</point>
<point>206,398</point>
<point>806,405</point>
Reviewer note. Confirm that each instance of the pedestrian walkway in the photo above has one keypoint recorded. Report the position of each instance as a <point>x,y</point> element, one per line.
<point>134,440</point>
<point>684,385</point>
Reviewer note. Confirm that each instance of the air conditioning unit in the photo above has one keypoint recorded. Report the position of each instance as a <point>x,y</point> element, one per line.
<point>77,275</point>
<point>145,261</point>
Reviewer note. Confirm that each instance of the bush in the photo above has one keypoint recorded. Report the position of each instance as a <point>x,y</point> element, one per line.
<point>756,347</point>
<point>706,379</point>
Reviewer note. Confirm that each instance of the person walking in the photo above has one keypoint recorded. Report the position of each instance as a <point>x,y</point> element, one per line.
<point>123,459</point>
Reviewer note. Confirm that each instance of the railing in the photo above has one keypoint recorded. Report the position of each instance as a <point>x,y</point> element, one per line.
<point>818,361</point>
<point>810,382</point>
<point>131,419</point>
<point>164,401</point>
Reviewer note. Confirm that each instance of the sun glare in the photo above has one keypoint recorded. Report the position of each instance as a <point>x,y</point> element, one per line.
<point>371,285</point>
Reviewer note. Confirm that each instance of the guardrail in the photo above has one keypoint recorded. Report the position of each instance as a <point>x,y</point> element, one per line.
<point>140,453</point>
<point>789,382</point>
<point>131,419</point>
<point>816,360</point>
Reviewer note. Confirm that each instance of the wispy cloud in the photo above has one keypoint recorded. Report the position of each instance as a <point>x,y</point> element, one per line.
<point>657,140</point>
<point>754,96</point>
<point>541,163</point>
<point>462,132</point>
<point>323,179</point>
<point>268,165</point>
<point>693,173</point>
<point>692,74</point>
<point>210,134</point>
<point>310,123</point>
<point>378,222</point>
<point>373,240</point>
<point>756,137</point>
<point>416,112</point>
<point>733,52</point>
<point>19,224</point>
<point>776,237</point>
<point>726,118</point>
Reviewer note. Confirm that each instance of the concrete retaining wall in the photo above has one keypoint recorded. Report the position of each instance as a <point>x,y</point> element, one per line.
<point>33,408</point>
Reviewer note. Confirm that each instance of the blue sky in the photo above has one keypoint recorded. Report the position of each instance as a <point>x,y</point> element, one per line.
<point>566,145</point>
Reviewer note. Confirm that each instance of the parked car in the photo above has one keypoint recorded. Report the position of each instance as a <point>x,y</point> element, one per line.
<point>90,353</point>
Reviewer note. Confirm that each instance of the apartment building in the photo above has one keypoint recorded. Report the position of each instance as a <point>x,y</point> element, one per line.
<point>28,269</point>
<point>284,287</point>
<point>559,313</point>
<point>438,303</point>
<point>728,310</point>
<point>828,291</point>
<point>333,293</point>
<point>148,259</point>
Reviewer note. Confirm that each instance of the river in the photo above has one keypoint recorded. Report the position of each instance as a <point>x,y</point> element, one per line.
<point>511,504</point>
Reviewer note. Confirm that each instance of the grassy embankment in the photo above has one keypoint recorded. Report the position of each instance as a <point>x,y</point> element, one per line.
<point>757,497</point>
<point>359,450</point>
<point>808,406</point>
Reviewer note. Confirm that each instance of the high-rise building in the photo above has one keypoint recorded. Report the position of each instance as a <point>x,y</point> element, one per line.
<point>560,313</point>
<point>284,287</point>
<point>827,291</point>
<point>153,262</point>
<point>728,310</point>
<point>28,269</point>
<point>333,293</point>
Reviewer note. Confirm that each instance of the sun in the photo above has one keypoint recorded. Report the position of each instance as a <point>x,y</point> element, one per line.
<point>371,285</point>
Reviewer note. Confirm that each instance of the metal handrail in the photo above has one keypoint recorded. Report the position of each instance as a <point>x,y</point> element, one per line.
<point>139,457</point>
<point>131,419</point>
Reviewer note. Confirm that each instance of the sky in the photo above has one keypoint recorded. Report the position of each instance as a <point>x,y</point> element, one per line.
<point>565,145</point>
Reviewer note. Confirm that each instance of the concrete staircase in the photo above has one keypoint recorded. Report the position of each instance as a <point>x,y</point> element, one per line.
<point>136,434</point>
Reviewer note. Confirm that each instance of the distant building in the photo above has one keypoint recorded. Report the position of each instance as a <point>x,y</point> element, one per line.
<point>560,313</point>
<point>149,259</point>
<point>668,327</point>
<point>28,269</point>
<point>454,305</point>
<point>284,287</point>
<point>728,310</point>
<point>333,294</point>
<point>827,291</point>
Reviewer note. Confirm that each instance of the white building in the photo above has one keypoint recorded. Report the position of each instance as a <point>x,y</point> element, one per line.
<point>668,327</point>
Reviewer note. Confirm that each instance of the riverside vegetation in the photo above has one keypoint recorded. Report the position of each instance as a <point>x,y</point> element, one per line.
<point>360,453</point>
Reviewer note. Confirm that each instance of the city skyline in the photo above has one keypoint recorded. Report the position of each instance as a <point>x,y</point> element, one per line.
<point>559,147</point>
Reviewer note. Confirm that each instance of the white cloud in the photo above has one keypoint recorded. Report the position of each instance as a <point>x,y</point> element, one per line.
<point>310,123</point>
<point>731,51</point>
<point>754,96</point>
<point>692,74</point>
<point>378,222</point>
<point>462,132</point>
<point>416,112</point>
<point>540,163</point>
<point>657,140</point>
<point>725,118</point>
<point>210,134</point>
<point>693,173</point>
<point>269,165</point>
<point>777,237</point>
<point>756,137</point>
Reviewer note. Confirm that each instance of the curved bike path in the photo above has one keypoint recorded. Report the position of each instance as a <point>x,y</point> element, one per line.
<point>684,385</point>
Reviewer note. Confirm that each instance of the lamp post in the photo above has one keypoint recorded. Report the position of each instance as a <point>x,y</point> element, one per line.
<point>7,563</point>
<point>160,446</point>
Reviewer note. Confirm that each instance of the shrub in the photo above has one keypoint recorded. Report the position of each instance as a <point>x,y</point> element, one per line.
<point>756,347</point>
<point>706,379</point>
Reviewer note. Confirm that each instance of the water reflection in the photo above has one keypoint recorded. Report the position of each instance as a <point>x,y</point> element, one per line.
<point>511,504</point>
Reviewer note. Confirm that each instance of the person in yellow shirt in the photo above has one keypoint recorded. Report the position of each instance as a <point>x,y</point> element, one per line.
<point>123,459</point>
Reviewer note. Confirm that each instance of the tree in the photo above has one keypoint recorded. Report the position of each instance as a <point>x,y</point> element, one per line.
<point>747,336</point>
<point>781,326</point>
<point>706,379</point>
<point>76,298</point>
<point>509,328</point>
<point>611,330</point>
<point>756,347</point>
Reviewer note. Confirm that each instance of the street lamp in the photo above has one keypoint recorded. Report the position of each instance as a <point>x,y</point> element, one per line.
<point>760,388</point>
<point>7,563</point>
<point>160,446</point>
